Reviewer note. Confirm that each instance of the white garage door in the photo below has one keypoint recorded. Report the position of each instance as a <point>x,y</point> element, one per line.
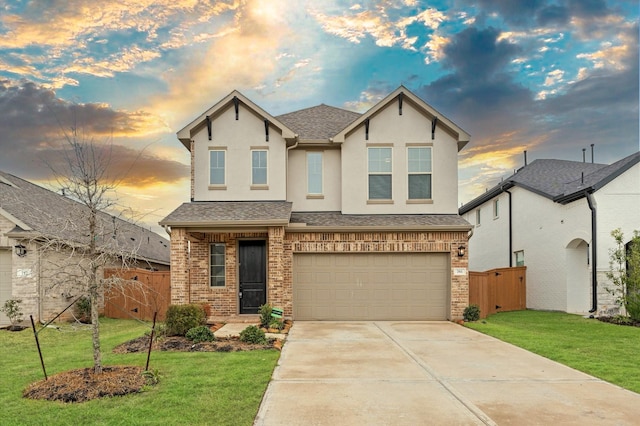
<point>367,286</point>
<point>5,282</point>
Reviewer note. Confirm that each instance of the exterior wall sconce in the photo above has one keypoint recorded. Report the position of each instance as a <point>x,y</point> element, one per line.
<point>21,250</point>
<point>461,251</point>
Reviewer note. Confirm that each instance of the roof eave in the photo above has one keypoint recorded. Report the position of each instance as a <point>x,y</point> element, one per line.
<point>11,218</point>
<point>225,223</point>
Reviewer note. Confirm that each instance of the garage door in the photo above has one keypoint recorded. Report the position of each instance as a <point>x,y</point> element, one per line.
<point>5,281</point>
<point>380,286</point>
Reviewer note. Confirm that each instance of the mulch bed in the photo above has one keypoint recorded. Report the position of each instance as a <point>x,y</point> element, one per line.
<point>182,344</point>
<point>620,321</point>
<point>84,385</point>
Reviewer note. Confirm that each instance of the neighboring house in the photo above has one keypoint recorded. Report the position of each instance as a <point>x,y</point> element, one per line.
<point>29,215</point>
<point>556,218</point>
<point>326,213</point>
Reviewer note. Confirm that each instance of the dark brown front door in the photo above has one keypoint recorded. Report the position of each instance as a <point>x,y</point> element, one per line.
<point>253,275</point>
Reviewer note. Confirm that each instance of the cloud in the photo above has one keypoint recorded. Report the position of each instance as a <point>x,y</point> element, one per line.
<point>34,122</point>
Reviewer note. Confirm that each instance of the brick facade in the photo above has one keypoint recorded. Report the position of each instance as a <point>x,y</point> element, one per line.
<point>190,271</point>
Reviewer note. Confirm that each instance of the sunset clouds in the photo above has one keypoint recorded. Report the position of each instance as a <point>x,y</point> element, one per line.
<point>550,76</point>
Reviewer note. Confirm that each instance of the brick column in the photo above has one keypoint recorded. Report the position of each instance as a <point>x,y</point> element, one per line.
<point>459,283</point>
<point>276,295</point>
<point>179,267</point>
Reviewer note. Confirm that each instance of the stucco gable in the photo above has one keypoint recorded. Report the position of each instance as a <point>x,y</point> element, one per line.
<point>392,100</point>
<point>186,134</point>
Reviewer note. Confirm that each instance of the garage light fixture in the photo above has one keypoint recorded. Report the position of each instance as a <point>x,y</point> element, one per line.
<point>21,250</point>
<point>461,251</point>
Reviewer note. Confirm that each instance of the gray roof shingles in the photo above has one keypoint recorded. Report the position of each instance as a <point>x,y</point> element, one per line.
<point>53,215</point>
<point>337,219</point>
<point>559,180</point>
<point>210,212</point>
<point>318,122</point>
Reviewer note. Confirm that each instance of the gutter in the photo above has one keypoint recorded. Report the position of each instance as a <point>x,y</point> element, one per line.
<point>594,253</point>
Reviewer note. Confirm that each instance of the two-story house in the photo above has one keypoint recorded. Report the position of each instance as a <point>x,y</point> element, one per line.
<point>556,217</point>
<point>327,213</point>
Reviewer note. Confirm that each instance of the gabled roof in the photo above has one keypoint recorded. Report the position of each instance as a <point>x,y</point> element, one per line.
<point>36,211</point>
<point>461,136</point>
<point>559,180</point>
<point>229,213</point>
<point>319,122</point>
<point>185,135</point>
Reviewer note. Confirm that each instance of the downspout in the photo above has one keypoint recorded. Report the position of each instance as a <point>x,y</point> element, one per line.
<point>510,230</point>
<point>594,253</point>
<point>286,167</point>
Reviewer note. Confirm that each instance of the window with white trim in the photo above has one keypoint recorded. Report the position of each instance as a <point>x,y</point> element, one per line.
<point>380,169</point>
<point>217,262</point>
<point>519,258</point>
<point>314,173</point>
<point>419,169</point>
<point>217,167</point>
<point>258,167</point>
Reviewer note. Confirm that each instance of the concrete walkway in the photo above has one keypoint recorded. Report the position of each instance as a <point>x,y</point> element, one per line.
<point>416,373</point>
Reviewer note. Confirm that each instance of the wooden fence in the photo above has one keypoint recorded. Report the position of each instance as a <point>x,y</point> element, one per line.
<point>499,290</point>
<point>146,293</point>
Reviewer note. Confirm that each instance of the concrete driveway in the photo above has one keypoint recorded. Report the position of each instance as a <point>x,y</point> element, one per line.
<point>436,373</point>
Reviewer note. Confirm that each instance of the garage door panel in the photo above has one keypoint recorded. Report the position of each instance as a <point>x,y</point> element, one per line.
<point>380,286</point>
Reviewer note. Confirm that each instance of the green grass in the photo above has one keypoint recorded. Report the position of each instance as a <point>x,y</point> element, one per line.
<point>201,388</point>
<point>607,351</point>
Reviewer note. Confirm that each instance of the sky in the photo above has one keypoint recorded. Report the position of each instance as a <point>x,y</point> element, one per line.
<point>548,76</point>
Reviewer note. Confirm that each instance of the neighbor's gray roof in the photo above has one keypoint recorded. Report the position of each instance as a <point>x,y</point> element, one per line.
<point>559,180</point>
<point>218,213</point>
<point>318,122</point>
<point>413,221</point>
<point>40,212</point>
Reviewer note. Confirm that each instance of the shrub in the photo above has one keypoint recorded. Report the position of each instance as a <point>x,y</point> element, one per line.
<point>253,334</point>
<point>276,323</point>
<point>182,318</point>
<point>265,315</point>
<point>12,310</point>
<point>471,313</point>
<point>82,310</point>
<point>201,333</point>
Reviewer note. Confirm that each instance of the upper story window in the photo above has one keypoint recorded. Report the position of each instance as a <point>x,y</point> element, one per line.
<point>217,167</point>
<point>217,263</point>
<point>258,167</point>
<point>380,169</point>
<point>496,208</point>
<point>478,217</point>
<point>419,168</point>
<point>314,173</point>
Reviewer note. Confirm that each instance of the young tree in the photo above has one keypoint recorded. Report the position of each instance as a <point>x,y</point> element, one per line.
<point>86,240</point>
<point>624,273</point>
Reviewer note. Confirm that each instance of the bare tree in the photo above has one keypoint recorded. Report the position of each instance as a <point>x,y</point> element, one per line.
<point>86,239</point>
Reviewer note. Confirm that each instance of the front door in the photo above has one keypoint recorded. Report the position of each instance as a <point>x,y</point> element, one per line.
<point>253,275</point>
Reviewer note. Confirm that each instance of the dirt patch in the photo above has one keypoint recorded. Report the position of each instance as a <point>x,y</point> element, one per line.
<point>84,385</point>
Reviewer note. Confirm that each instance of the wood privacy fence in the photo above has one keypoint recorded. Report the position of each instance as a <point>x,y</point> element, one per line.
<point>499,290</point>
<point>144,293</point>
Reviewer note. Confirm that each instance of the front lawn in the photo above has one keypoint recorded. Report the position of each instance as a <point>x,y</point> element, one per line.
<point>607,351</point>
<point>200,388</point>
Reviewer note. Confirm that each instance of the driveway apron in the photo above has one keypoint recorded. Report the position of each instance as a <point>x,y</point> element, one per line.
<point>417,373</point>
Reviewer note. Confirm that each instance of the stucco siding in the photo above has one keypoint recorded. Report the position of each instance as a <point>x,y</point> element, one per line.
<point>388,127</point>
<point>237,138</point>
<point>489,245</point>
<point>330,199</point>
